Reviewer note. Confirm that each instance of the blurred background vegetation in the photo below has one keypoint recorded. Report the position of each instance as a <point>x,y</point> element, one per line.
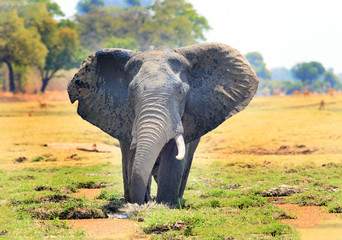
<point>37,44</point>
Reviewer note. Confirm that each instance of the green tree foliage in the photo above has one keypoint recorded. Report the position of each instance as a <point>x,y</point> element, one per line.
<point>61,39</point>
<point>171,23</point>
<point>54,45</point>
<point>258,64</point>
<point>125,43</point>
<point>308,72</point>
<point>178,23</point>
<point>52,7</point>
<point>63,54</point>
<point>331,80</point>
<point>85,6</point>
<point>19,45</point>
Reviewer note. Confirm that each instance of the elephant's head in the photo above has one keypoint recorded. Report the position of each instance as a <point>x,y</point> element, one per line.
<point>149,98</point>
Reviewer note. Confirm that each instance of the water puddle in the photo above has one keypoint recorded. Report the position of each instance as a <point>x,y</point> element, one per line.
<point>118,216</point>
<point>330,229</point>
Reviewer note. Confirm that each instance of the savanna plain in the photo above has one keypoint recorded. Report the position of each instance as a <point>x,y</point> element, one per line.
<point>280,151</point>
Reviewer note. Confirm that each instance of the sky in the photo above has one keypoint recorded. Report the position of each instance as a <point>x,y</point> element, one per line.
<point>285,32</point>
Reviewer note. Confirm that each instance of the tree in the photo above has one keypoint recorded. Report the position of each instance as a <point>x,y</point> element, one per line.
<point>85,6</point>
<point>19,45</point>
<point>331,79</point>
<point>63,54</point>
<point>258,64</point>
<point>133,2</point>
<point>61,39</point>
<point>125,43</point>
<point>308,72</point>
<point>171,23</point>
<point>52,7</point>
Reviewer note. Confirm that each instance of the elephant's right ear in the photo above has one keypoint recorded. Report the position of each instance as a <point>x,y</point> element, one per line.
<point>101,88</point>
<point>222,83</point>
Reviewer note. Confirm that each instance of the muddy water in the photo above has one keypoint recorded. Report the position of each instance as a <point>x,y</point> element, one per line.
<point>330,230</point>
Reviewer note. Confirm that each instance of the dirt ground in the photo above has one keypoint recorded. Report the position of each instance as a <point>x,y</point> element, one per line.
<point>288,147</point>
<point>306,216</point>
<point>120,229</point>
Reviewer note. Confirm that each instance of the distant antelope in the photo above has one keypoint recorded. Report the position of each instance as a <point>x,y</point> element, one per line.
<point>307,92</point>
<point>331,91</point>
<point>276,91</point>
<point>322,105</point>
<point>42,104</point>
<point>296,92</point>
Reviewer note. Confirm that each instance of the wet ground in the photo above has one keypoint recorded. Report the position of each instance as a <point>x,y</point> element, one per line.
<point>311,222</point>
<point>120,229</point>
<point>314,222</point>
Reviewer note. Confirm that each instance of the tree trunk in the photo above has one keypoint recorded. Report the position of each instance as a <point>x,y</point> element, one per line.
<point>11,76</point>
<point>44,85</point>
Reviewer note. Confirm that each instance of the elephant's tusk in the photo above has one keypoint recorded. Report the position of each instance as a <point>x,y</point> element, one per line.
<point>133,144</point>
<point>181,146</point>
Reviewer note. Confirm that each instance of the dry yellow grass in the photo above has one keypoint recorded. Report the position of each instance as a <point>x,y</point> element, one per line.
<point>270,123</point>
<point>266,125</point>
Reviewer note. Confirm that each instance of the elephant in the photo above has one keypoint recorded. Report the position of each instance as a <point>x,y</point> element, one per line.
<point>158,104</point>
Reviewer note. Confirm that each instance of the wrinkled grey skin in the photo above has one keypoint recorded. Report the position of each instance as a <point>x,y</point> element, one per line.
<point>155,96</point>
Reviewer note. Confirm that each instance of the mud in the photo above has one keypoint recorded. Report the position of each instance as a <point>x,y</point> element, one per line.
<point>19,178</point>
<point>120,229</point>
<point>93,185</point>
<point>281,191</point>
<point>44,188</point>
<point>282,150</point>
<point>307,216</point>
<point>45,213</point>
<point>88,147</point>
<point>20,159</point>
<point>158,229</point>
<point>88,193</point>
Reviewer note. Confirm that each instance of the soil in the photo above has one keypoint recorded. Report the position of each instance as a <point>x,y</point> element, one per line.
<point>120,229</point>
<point>88,147</point>
<point>88,193</point>
<point>105,228</point>
<point>282,150</point>
<point>282,191</point>
<point>306,216</point>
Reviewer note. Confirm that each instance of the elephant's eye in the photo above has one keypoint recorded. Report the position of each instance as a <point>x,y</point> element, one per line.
<point>133,66</point>
<point>181,89</point>
<point>175,65</point>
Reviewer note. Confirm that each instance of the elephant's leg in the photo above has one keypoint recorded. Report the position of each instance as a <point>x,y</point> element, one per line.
<point>170,174</point>
<point>127,164</point>
<point>192,146</point>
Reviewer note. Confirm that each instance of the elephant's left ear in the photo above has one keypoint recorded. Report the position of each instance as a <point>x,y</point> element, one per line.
<point>222,83</point>
<point>101,88</point>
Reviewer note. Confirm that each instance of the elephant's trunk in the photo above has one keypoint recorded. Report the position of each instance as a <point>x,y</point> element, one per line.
<point>154,130</point>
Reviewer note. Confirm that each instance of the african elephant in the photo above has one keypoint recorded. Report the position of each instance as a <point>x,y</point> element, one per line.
<point>158,104</point>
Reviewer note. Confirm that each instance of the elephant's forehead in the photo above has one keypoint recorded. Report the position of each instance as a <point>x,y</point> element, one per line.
<point>158,55</point>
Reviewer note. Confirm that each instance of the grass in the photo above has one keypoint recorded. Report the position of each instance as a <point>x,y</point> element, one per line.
<point>234,165</point>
